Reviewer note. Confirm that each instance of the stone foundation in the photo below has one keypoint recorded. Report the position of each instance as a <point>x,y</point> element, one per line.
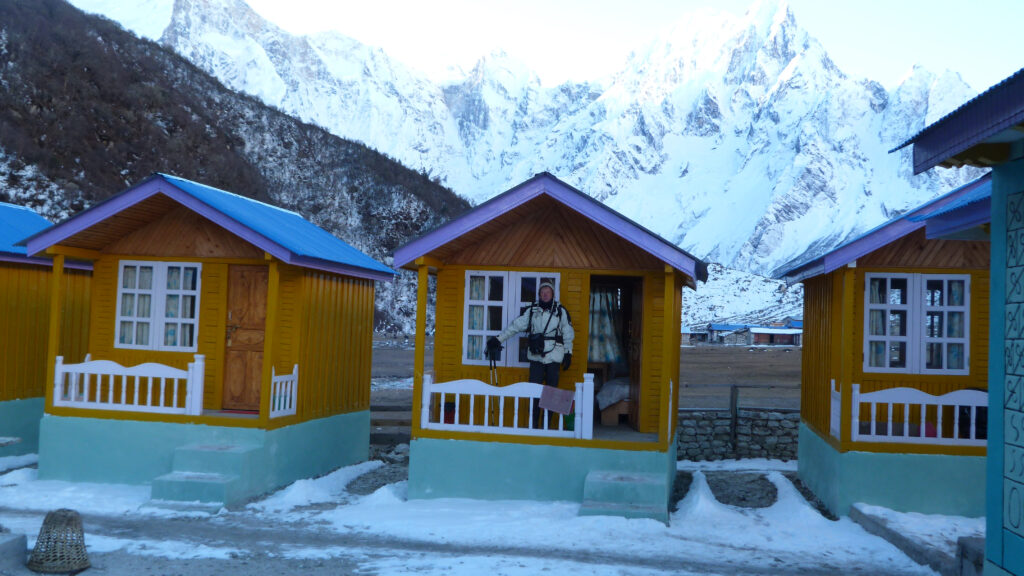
<point>752,433</point>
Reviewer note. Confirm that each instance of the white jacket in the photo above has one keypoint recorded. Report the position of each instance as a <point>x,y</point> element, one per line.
<point>557,322</point>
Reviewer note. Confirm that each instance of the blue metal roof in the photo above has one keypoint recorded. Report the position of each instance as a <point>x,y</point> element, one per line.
<point>16,223</point>
<point>729,327</point>
<point>283,227</point>
<point>978,194</point>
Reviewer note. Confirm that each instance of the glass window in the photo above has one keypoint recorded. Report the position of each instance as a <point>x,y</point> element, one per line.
<point>916,323</point>
<point>493,301</point>
<point>160,298</point>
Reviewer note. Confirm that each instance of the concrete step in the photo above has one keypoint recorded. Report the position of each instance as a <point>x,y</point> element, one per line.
<point>925,553</point>
<point>390,434</point>
<point>227,459</point>
<point>208,487</point>
<point>391,418</point>
<point>628,494</point>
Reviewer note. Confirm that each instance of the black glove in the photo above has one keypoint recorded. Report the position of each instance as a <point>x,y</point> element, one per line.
<point>566,361</point>
<point>493,348</point>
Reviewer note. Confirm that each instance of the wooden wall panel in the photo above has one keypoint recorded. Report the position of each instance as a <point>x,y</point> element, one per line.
<point>181,233</point>
<point>24,323</point>
<point>817,363</point>
<point>652,371</point>
<point>915,251</point>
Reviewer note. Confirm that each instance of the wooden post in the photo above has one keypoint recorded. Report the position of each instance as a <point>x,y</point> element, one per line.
<point>273,285</point>
<point>56,315</point>
<point>846,348</point>
<point>669,328</point>
<point>423,276</point>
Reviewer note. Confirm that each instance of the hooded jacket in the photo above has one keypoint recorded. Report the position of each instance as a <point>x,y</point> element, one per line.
<point>556,319</point>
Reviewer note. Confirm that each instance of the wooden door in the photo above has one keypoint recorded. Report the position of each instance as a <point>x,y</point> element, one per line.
<point>246,324</point>
<point>636,332</point>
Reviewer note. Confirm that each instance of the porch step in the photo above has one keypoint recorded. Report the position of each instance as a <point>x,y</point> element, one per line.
<point>204,487</point>
<point>237,459</point>
<point>628,494</point>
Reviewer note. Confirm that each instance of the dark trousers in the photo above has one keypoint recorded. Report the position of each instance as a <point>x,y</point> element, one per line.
<point>544,373</point>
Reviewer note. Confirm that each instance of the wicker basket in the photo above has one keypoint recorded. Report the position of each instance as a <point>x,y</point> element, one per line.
<point>60,547</point>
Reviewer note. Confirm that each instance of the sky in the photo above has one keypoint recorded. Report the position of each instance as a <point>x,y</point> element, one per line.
<point>587,39</point>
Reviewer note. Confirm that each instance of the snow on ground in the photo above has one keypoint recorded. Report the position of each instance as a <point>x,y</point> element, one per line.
<point>391,384</point>
<point>463,536</point>
<point>940,530</point>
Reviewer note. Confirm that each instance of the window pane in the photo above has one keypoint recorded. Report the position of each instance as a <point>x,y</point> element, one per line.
<point>188,335</point>
<point>494,318</point>
<point>955,325</point>
<point>955,356</point>
<point>933,356</point>
<point>876,354</point>
<point>933,325</point>
<point>188,306</point>
<point>174,278</point>
<point>933,293</point>
<point>475,347</point>
<point>127,304</point>
<point>128,278</point>
<point>476,287</point>
<point>145,278</point>
<point>956,292</point>
<point>897,354</point>
<point>189,283</point>
<point>142,333</point>
<point>898,323</point>
<point>170,334</point>
<point>527,289</point>
<point>144,302</point>
<point>876,323</point>
<point>125,337</point>
<point>476,318</point>
<point>496,288</point>
<point>171,306</point>
<point>877,291</point>
<point>898,291</point>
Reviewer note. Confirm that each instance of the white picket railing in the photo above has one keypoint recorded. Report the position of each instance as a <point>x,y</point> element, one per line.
<point>150,387</point>
<point>284,392</point>
<point>965,407</point>
<point>836,411</point>
<point>503,409</point>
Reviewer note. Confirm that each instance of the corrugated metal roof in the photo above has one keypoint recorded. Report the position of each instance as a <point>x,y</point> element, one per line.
<point>283,227</point>
<point>728,327</point>
<point>977,194</point>
<point>16,223</point>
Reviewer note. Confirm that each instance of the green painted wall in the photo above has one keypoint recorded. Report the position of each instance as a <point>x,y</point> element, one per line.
<point>506,471</point>
<point>20,419</point>
<point>134,452</point>
<point>925,483</point>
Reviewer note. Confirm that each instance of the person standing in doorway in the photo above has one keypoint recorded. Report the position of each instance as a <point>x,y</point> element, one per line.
<point>549,336</point>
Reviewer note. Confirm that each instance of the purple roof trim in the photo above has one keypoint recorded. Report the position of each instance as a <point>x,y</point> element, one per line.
<point>545,183</point>
<point>158,185</point>
<point>964,218</point>
<point>884,234</point>
<point>985,115</point>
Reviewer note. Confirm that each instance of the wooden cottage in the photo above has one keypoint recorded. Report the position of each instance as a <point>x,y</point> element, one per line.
<point>988,132</point>
<point>228,349</point>
<point>895,361</point>
<point>24,314</point>
<point>622,286</point>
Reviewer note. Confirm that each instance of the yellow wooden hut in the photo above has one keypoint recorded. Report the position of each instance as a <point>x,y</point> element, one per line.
<point>24,315</point>
<point>894,402</point>
<point>229,345</point>
<point>622,286</point>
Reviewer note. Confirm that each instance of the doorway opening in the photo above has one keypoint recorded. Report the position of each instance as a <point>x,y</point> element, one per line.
<point>614,349</point>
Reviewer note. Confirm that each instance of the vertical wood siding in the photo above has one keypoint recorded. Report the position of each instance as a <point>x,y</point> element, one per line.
<point>335,343</point>
<point>817,364</point>
<point>24,320</point>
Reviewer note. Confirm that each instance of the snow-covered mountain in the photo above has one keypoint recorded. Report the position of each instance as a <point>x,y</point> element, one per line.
<point>735,137</point>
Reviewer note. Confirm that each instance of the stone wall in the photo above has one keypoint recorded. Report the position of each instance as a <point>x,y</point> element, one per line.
<point>753,433</point>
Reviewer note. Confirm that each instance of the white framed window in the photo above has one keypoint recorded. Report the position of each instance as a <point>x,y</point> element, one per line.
<point>917,323</point>
<point>493,300</point>
<point>158,305</point>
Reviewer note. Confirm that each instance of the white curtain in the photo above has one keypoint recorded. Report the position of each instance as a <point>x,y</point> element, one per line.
<point>604,334</point>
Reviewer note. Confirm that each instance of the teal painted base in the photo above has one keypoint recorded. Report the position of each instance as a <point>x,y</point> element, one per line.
<point>20,419</point>
<point>507,471</point>
<point>925,483</point>
<point>993,570</point>
<point>133,452</point>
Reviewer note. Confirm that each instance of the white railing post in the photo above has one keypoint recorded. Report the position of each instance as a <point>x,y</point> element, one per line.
<point>58,377</point>
<point>588,406</point>
<point>194,386</point>
<point>425,404</point>
<point>836,410</point>
<point>855,415</point>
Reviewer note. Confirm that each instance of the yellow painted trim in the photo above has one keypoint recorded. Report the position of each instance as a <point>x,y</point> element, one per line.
<point>429,261</point>
<point>846,359</point>
<point>895,448</point>
<point>539,441</point>
<point>228,421</point>
<point>56,315</point>
<point>210,259</point>
<point>665,406</point>
<point>273,291</point>
<point>76,253</point>
<point>419,361</point>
